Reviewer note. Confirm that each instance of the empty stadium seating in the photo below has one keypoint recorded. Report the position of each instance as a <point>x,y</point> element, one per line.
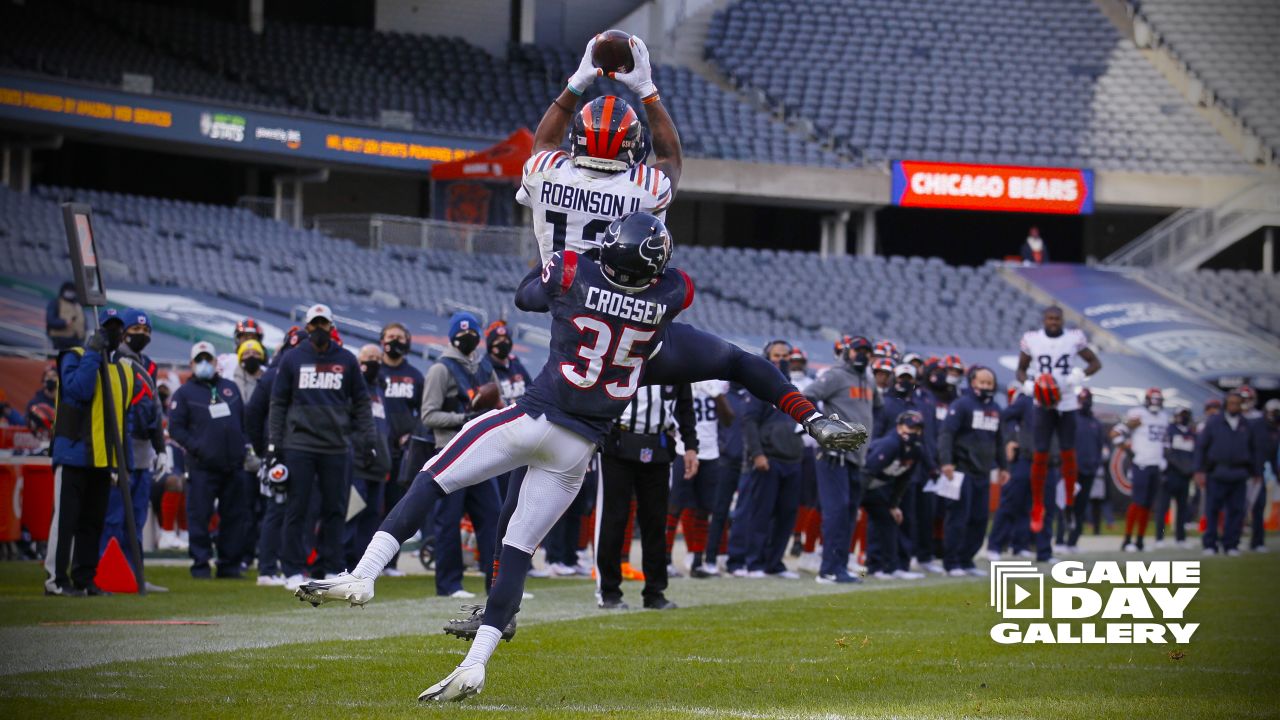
<point>447,84</point>
<point>1232,46</point>
<point>967,80</point>
<point>1243,297</point>
<point>215,249</point>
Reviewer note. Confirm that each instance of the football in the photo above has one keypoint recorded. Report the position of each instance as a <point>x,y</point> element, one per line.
<point>612,52</point>
<point>487,397</point>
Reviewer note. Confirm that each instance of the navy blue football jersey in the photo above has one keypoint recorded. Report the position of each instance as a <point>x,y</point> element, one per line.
<point>601,338</point>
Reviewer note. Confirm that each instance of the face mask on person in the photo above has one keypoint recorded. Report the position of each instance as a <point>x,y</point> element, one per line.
<point>466,342</point>
<point>370,369</point>
<point>910,440</point>
<point>904,386</point>
<point>502,350</point>
<point>251,364</point>
<point>1086,405</point>
<point>1183,418</point>
<point>797,375</point>
<point>319,338</point>
<point>953,379</point>
<point>113,334</point>
<point>985,394</point>
<point>50,385</point>
<point>858,363</point>
<point>137,342</point>
<point>204,370</point>
<point>396,349</point>
<point>69,295</point>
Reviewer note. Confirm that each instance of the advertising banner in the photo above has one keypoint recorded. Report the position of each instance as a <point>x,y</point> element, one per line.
<point>996,188</point>
<point>60,105</point>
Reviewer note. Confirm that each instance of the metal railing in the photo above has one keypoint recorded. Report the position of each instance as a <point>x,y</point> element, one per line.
<point>1189,231</point>
<point>378,231</point>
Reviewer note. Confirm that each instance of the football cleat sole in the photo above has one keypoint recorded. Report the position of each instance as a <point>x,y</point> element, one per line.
<point>465,628</point>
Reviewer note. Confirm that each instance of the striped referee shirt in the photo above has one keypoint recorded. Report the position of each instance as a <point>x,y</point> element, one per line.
<point>660,408</point>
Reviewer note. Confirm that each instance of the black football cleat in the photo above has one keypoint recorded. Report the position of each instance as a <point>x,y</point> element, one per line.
<point>613,605</point>
<point>465,628</point>
<point>660,604</point>
<point>832,433</point>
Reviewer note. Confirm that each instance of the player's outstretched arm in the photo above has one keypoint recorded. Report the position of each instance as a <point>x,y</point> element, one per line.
<point>555,121</point>
<point>690,355</point>
<point>666,141</point>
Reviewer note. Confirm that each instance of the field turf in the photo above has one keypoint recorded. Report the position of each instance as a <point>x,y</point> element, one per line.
<point>736,649</point>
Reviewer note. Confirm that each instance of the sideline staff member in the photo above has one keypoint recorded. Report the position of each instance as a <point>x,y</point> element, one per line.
<point>83,454</point>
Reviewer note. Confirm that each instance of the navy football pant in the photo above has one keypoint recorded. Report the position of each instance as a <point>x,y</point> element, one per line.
<point>113,525</point>
<point>840,494</point>
<point>882,531</point>
<point>1009,529</point>
<point>1175,489</point>
<point>726,486</point>
<point>966,522</point>
<point>312,474</point>
<point>203,489</point>
<point>481,503</point>
<point>774,500</point>
<point>1228,496</point>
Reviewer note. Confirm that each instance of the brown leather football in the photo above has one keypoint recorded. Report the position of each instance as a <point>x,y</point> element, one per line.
<point>487,397</point>
<point>612,52</point>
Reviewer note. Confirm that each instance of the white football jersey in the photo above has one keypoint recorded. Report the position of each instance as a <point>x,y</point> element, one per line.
<point>1056,355</point>
<point>1147,440</point>
<point>573,206</point>
<point>706,417</point>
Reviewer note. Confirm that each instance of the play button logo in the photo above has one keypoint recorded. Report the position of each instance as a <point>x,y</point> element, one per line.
<point>1017,589</point>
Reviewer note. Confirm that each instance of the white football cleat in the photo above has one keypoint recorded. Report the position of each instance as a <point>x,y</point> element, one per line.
<point>459,594</point>
<point>957,572</point>
<point>935,567</point>
<point>271,581</point>
<point>993,556</point>
<point>460,684</point>
<point>907,575</point>
<point>1130,548</point>
<point>344,587</point>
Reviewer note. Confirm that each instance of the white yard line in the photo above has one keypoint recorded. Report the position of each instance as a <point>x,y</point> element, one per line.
<point>48,648</point>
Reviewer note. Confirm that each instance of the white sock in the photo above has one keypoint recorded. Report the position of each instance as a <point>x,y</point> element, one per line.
<point>381,549</point>
<point>482,647</point>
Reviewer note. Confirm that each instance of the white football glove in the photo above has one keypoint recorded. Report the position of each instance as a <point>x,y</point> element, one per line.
<point>586,72</point>
<point>1076,377</point>
<point>161,465</point>
<point>640,79</point>
<point>1029,387</point>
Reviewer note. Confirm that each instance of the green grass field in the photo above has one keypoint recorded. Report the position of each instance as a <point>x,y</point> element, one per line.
<point>737,649</point>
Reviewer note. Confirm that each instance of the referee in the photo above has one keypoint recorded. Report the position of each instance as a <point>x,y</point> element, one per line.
<point>635,459</point>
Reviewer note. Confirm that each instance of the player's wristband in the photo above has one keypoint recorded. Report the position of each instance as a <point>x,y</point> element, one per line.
<point>651,99</point>
<point>572,89</point>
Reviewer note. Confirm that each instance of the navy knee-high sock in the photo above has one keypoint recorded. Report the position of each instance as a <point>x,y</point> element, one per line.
<point>508,587</point>
<point>407,516</point>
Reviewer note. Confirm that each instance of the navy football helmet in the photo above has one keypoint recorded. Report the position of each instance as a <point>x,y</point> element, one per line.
<point>635,251</point>
<point>607,136</point>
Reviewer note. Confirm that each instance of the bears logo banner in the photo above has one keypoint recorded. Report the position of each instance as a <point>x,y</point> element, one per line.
<point>998,188</point>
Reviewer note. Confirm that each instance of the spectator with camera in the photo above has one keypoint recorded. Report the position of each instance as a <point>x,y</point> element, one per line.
<point>447,404</point>
<point>320,412</point>
<point>206,419</point>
